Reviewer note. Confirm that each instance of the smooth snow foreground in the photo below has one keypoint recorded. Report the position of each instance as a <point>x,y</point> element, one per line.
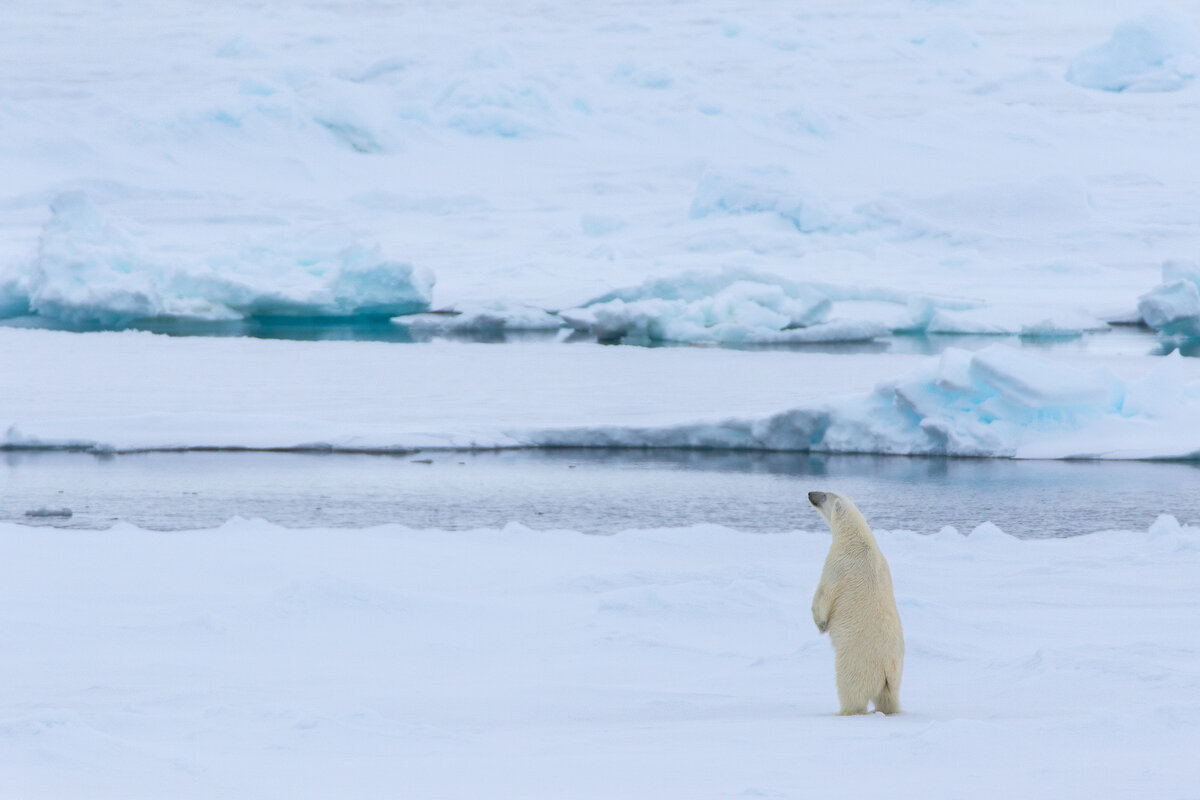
<point>254,661</point>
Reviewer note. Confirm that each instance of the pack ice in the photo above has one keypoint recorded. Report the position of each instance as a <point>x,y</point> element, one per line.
<point>268,169</point>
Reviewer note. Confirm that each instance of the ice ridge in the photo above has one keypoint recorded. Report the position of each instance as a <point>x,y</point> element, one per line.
<point>88,271</point>
<point>997,402</point>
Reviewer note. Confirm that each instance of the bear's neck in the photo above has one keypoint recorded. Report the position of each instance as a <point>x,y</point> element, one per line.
<point>853,533</point>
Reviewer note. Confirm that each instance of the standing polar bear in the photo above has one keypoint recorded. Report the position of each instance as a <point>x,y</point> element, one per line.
<point>856,604</point>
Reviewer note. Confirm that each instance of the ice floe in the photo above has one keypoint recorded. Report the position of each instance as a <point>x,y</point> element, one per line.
<point>179,394</point>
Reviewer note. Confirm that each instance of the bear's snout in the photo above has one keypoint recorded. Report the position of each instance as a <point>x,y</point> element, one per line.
<point>816,498</point>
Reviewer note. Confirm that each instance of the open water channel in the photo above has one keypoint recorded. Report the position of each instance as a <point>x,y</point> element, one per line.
<point>595,491</point>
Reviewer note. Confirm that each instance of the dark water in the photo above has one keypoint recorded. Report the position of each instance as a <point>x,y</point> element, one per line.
<point>590,490</point>
<point>1119,340</point>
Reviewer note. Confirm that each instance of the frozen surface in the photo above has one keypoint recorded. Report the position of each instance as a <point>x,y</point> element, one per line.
<point>136,391</point>
<point>321,159</point>
<point>675,663</point>
<point>1147,54</point>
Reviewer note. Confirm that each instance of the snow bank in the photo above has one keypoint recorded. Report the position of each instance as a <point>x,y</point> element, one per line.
<point>998,402</point>
<point>675,663</point>
<point>1148,54</point>
<point>89,272</point>
<point>1173,307</point>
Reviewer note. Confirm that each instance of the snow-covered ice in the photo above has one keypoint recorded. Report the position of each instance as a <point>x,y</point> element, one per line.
<point>142,391</point>
<point>137,391</point>
<point>303,159</point>
<point>257,661</point>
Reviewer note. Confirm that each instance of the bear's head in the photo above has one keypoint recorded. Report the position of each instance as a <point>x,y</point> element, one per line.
<point>827,503</point>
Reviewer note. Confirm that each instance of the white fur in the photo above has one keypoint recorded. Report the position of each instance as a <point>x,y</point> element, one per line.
<point>855,603</point>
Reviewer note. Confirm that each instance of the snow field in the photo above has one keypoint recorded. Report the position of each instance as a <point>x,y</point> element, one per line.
<point>544,158</point>
<point>266,662</point>
<point>136,391</point>
<point>142,391</point>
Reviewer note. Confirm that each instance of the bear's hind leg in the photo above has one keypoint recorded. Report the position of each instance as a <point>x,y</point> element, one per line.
<point>852,709</point>
<point>853,695</point>
<point>888,700</point>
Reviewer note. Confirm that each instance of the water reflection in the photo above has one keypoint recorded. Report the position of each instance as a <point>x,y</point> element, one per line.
<point>600,491</point>
<point>1125,340</point>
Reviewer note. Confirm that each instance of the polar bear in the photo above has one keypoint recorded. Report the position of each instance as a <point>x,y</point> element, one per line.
<point>855,603</point>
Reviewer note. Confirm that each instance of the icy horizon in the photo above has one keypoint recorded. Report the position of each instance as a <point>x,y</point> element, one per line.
<point>346,159</point>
